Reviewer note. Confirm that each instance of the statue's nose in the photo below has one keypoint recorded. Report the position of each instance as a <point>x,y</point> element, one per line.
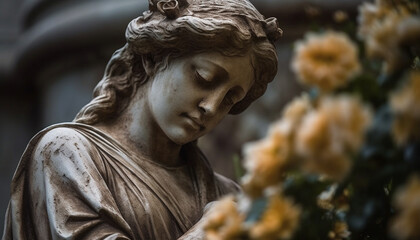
<point>211,103</point>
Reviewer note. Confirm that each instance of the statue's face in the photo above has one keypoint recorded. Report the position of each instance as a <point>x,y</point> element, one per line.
<point>193,94</point>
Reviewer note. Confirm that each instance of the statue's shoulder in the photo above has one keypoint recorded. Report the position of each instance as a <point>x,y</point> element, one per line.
<point>62,150</point>
<point>56,141</point>
<point>58,137</point>
<point>60,132</point>
<point>226,185</point>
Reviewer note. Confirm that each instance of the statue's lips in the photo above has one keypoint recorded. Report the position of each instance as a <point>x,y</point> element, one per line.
<point>194,122</point>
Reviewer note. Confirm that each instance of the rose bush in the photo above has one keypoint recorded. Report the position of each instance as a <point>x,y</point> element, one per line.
<point>342,162</point>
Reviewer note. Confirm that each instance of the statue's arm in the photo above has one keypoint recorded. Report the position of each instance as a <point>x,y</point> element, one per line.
<point>68,195</point>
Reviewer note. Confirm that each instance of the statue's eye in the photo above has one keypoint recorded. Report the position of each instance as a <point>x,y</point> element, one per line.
<point>200,76</point>
<point>203,79</point>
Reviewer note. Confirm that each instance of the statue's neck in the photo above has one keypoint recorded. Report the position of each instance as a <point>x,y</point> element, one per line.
<point>136,130</point>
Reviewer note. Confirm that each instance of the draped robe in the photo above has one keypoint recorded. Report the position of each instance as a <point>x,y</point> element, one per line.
<point>76,182</point>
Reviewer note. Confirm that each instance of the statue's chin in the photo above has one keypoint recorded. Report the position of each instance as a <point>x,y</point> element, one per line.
<point>181,136</point>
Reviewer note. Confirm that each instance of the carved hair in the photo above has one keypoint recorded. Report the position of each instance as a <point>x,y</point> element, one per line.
<point>174,28</point>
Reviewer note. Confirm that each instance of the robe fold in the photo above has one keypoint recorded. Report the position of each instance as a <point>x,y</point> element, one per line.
<point>76,182</point>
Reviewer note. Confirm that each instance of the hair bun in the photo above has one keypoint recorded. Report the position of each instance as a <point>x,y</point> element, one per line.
<point>168,8</point>
<point>272,29</point>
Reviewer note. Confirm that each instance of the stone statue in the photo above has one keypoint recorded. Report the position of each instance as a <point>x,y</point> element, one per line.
<point>128,166</point>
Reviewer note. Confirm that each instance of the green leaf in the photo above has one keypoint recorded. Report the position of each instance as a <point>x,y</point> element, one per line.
<point>237,166</point>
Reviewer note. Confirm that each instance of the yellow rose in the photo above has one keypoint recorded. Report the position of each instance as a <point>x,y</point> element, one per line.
<point>386,26</point>
<point>224,221</point>
<point>326,61</point>
<point>330,133</point>
<point>406,224</point>
<point>278,221</point>
<point>405,104</point>
<point>265,162</point>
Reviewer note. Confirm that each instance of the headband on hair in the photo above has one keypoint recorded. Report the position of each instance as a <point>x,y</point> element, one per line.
<point>171,9</point>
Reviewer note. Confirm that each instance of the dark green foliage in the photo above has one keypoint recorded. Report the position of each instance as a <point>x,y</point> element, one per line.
<point>315,222</point>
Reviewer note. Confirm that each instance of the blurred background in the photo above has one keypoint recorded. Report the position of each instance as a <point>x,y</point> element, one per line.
<point>52,54</point>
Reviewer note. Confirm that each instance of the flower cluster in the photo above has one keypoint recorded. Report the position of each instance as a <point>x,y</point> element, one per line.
<point>386,26</point>
<point>225,221</point>
<point>321,137</point>
<point>326,61</point>
<point>330,133</point>
<point>279,220</point>
<point>267,160</point>
<point>335,161</point>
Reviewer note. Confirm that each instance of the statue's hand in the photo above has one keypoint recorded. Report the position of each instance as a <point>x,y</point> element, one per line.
<point>197,231</point>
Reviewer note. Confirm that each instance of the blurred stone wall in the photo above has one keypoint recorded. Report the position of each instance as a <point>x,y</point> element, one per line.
<point>53,52</point>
